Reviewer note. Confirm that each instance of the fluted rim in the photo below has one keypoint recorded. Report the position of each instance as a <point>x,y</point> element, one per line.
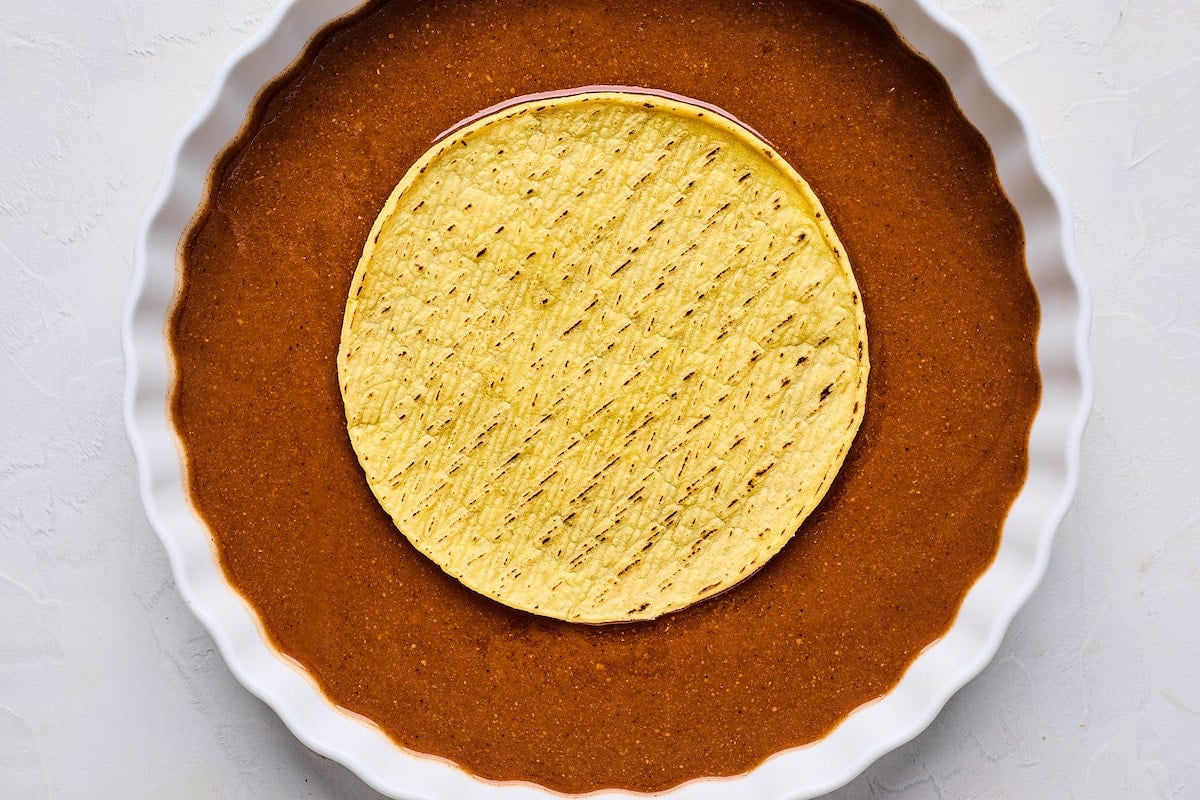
<point>805,772</point>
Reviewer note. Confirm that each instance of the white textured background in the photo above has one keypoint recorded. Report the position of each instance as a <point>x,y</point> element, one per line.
<point>110,689</point>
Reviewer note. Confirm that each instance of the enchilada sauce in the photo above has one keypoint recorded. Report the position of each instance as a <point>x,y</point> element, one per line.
<point>873,577</point>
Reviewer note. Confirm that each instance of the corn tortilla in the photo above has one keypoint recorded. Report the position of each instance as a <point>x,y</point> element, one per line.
<point>602,355</point>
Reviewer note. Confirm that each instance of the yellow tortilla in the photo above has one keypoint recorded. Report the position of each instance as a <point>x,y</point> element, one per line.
<point>602,356</point>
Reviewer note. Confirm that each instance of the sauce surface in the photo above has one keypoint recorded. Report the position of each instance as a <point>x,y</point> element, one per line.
<point>874,575</point>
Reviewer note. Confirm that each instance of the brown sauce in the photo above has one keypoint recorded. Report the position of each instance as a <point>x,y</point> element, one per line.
<point>833,621</point>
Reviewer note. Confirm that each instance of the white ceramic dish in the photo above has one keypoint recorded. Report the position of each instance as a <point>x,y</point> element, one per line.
<point>801,773</point>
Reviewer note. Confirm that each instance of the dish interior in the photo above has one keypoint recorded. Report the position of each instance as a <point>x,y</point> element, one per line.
<point>871,579</point>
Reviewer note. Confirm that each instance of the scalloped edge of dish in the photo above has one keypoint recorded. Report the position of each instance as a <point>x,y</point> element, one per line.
<point>867,733</point>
